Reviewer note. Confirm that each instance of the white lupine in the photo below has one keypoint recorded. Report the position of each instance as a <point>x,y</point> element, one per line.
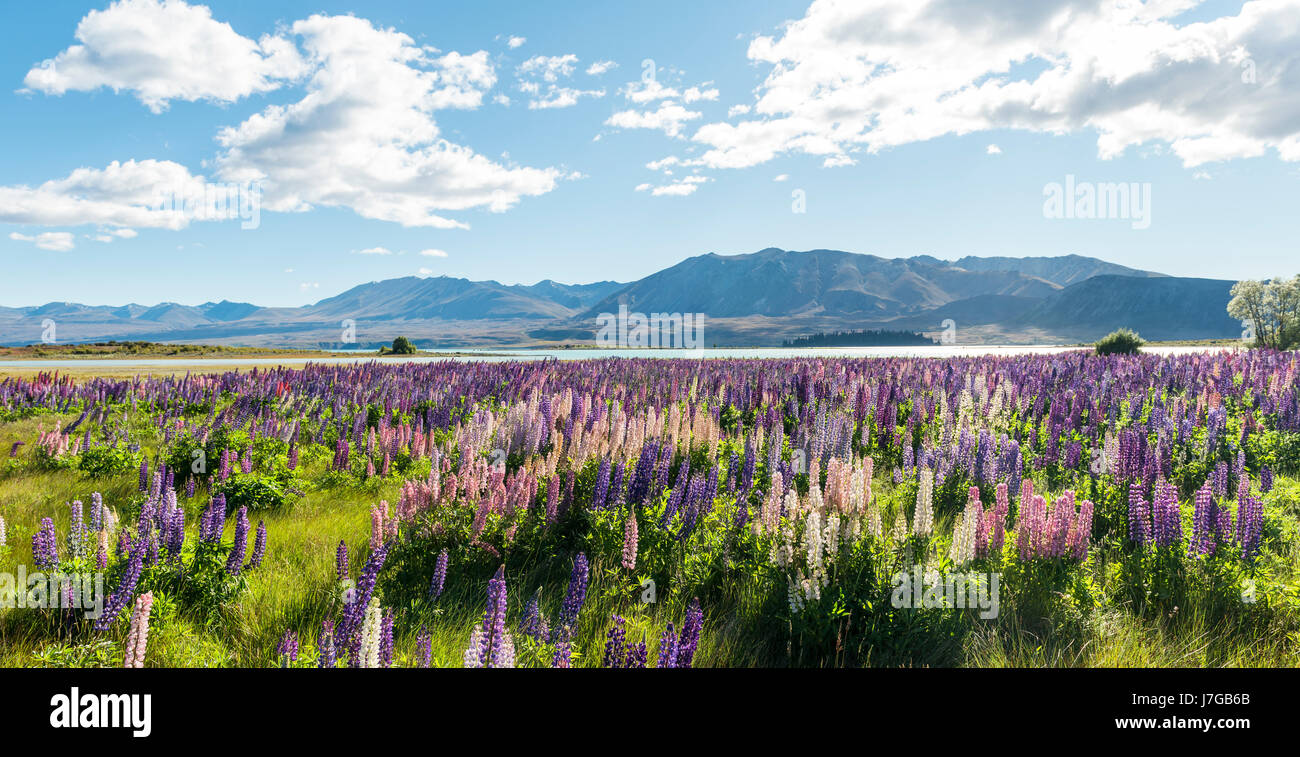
<point>963,534</point>
<point>2,531</point>
<point>812,539</point>
<point>874,526</point>
<point>370,630</point>
<point>900,526</point>
<point>831,535</point>
<point>924,522</point>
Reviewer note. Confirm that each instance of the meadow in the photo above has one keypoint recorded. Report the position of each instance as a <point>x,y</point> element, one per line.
<point>1123,510</point>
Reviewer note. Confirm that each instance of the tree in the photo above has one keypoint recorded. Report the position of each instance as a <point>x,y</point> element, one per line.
<point>403,346</point>
<point>1269,310</point>
<point>1121,342</point>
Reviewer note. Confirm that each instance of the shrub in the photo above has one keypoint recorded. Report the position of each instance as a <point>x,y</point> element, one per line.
<point>1121,342</point>
<point>254,491</point>
<point>100,462</point>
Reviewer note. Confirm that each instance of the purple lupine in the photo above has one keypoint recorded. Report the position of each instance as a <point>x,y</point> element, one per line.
<point>386,639</point>
<point>563,655</point>
<point>690,638</point>
<point>125,591</point>
<point>259,547</point>
<point>354,612</point>
<point>1265,479</point>
<point>668,647</point>
<point>1139,519</point>
<point>533,622</point>
<point>573,599</point>
<point>45,546</point>
<point>144,476</point>
<point>424,647</point>
<point>77,532</point>
<point>616,643</point>
<point>287,650</point>
<point>1250,523</point>
<point>637,655</point>
<point>1167,523</point>
<point>235,561</point>
<point>494,648</point>
<point>96,511</point>
<point>439,576</point>
<point>325,654</point>
<point>341,561</point>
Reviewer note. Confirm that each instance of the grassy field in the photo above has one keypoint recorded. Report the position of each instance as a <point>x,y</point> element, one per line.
<point>1091,613</point>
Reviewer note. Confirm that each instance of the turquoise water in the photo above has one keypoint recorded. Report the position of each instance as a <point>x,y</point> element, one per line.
<point>497,355</point>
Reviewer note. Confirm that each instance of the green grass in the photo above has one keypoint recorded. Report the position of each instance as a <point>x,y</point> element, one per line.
<point>1091,623</point>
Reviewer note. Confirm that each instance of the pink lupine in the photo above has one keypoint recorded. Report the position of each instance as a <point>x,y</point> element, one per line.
<point>630,542</point>
<point>137,640</point>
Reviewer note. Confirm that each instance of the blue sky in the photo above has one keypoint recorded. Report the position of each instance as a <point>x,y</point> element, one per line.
<point>898,128</point>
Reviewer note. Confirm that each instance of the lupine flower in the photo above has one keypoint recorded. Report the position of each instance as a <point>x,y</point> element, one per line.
<point>533,622</point>
<point>386,640</point>
<point>574,598</point>
<point>235,561</point>
<point>439,576</point>
<point>615,646</point>
<point>2,531</point>
<point>287,649</point>
<point>690,637</point>
<point>424,647</point>
<point>325,654</point>
<point>630,541</point>
<point>341,561</point>
<point>137,639</point>
<point>45,549</point>
<point>259,547</point>
<point>369,637</point>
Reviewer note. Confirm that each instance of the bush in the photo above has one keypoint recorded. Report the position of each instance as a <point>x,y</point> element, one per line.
<point>255,492</point>
<point>1121,342</point>
<point>401,346</point>
<point>101,462</point>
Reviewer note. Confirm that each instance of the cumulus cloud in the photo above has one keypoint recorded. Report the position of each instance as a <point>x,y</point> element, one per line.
<point>993,150</point>
<point>164,50</point>
<point>58,241</point>
<point>375,251</point>
<point>364,136</point>
<point>868,76</point>
<point>669,118</point>
<point>144,193</point>
<point>515,42</point>
<point>434,253</point>
<point>600,67</point>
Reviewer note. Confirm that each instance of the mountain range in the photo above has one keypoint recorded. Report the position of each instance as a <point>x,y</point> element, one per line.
<point>755,299</point>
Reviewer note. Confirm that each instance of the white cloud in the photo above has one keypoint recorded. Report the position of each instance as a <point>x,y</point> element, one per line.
<point>539,78</point>
<point>782,177</point>
<point>364,136</point>
<point>164,51</point>
<point>304,286</point>
<point>993,150</point>
<point>600,67</point>
<point>737,110</point>
<point>693,94</point>
<point>125,233</point>
<point>681,188</point>
<point>668,118</point>
<point>516,42</point>
<point>58,241</point>
<point>550,67</point>
<point>850,76</point>
<point>121,194</point>
<point>375,251</point>
<point>423,271</point>
<point>434,253</point>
